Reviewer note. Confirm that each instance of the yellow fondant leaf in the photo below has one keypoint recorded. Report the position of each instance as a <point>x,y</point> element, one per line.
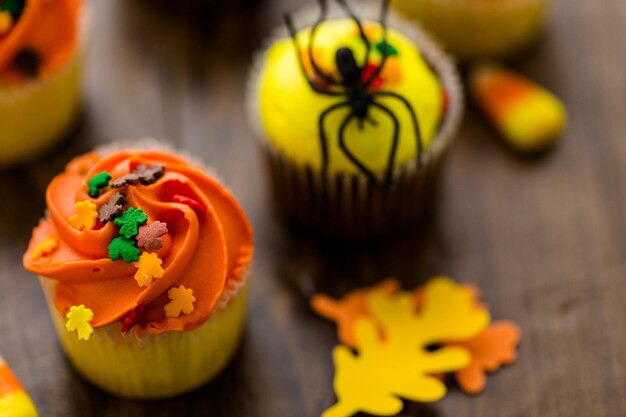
<point>375,380</point>
<point>85,215</point>
<point>399,365</point>
<point>449,312</point>
<point>78,320</point>
<point>182,302</point>
<point>149,267</point>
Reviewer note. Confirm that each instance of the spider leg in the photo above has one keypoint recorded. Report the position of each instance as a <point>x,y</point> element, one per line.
<point>383,23</point>
<point>316,68</point>
<point>394,144</point>
<point>366,42</point>
<point>416,126</point>
<point>294,37</point>
<point>322,133</point>
<point>372,121</point>
<point>342,144</point>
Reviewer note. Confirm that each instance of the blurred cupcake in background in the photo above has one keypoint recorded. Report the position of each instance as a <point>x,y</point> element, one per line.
<point>479,28</point>
<point>144,260</point>
<point>40,70</point>
<point>206,14</point>
<point>355,113</point>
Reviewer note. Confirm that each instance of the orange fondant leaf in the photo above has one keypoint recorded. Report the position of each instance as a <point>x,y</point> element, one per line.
<point>491,349</point>
<point>346,311</point>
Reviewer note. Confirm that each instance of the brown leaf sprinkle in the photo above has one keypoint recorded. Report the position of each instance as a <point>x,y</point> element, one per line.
<point>149,175</point>
<point>113,208</point>
<point>128,179</point>
<point>149,236</point>
<point>141,175</point>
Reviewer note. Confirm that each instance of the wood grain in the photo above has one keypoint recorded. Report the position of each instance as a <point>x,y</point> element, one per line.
<point>543,238</point>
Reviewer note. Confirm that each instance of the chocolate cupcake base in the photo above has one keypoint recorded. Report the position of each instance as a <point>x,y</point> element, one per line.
<point>349,207</point>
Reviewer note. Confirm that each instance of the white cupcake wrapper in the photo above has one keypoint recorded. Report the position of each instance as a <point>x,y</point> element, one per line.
<point>350,206</point>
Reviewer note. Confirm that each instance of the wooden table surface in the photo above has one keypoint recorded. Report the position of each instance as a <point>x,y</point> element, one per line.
<point>543,238</point>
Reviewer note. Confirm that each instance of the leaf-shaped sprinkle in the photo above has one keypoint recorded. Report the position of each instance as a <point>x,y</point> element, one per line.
<point>97,182</point>
<point>78,320</point>
<point>182,302</point>
<point>85,215</point>
<point>113,208</point>
<point>130,221</point>
<point>125,249</point>
<point>45,247</point>
<point>149,236</point>
<point>149,175</point>
<point>149,267</point>
<point>141,175</point>
<point>132,319</point>
<point>6,22</point>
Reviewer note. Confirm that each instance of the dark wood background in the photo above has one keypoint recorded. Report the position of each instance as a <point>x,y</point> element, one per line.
<point>543,238</point>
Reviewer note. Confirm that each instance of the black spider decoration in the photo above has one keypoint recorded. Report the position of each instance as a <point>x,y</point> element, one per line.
<point>355,87</point>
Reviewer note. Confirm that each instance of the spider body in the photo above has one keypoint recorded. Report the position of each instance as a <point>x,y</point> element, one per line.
<point>351,75</point>
<point>355,92</point>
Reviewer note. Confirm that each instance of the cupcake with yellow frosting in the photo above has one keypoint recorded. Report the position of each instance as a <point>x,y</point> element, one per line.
<point>144,260</point>
<point>40,67</point>
<point>355,114</point>
<point>479,28</point>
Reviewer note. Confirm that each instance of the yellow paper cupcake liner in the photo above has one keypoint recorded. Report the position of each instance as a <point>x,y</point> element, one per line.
<point>479,28</point>
<point>37,114</point>
<point>156,366</point>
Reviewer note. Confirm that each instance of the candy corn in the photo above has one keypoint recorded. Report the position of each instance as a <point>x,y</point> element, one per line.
<point>528,117</point>
<point>14,402</point>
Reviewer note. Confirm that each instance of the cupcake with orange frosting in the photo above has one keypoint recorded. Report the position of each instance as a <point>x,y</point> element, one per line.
<point>40,67</point>
<point>144,260</point>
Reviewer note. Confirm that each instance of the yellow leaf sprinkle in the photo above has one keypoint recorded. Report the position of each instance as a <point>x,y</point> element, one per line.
<point>78,320</point>
<point>149,267</point>
<point>182,302</point>
<point>6,22</point>
<point>85,217</point>
<point>45,247</point>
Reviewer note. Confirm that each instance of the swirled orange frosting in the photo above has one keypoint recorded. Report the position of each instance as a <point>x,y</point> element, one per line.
<point>48,27</point>
<point>206,251</point>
